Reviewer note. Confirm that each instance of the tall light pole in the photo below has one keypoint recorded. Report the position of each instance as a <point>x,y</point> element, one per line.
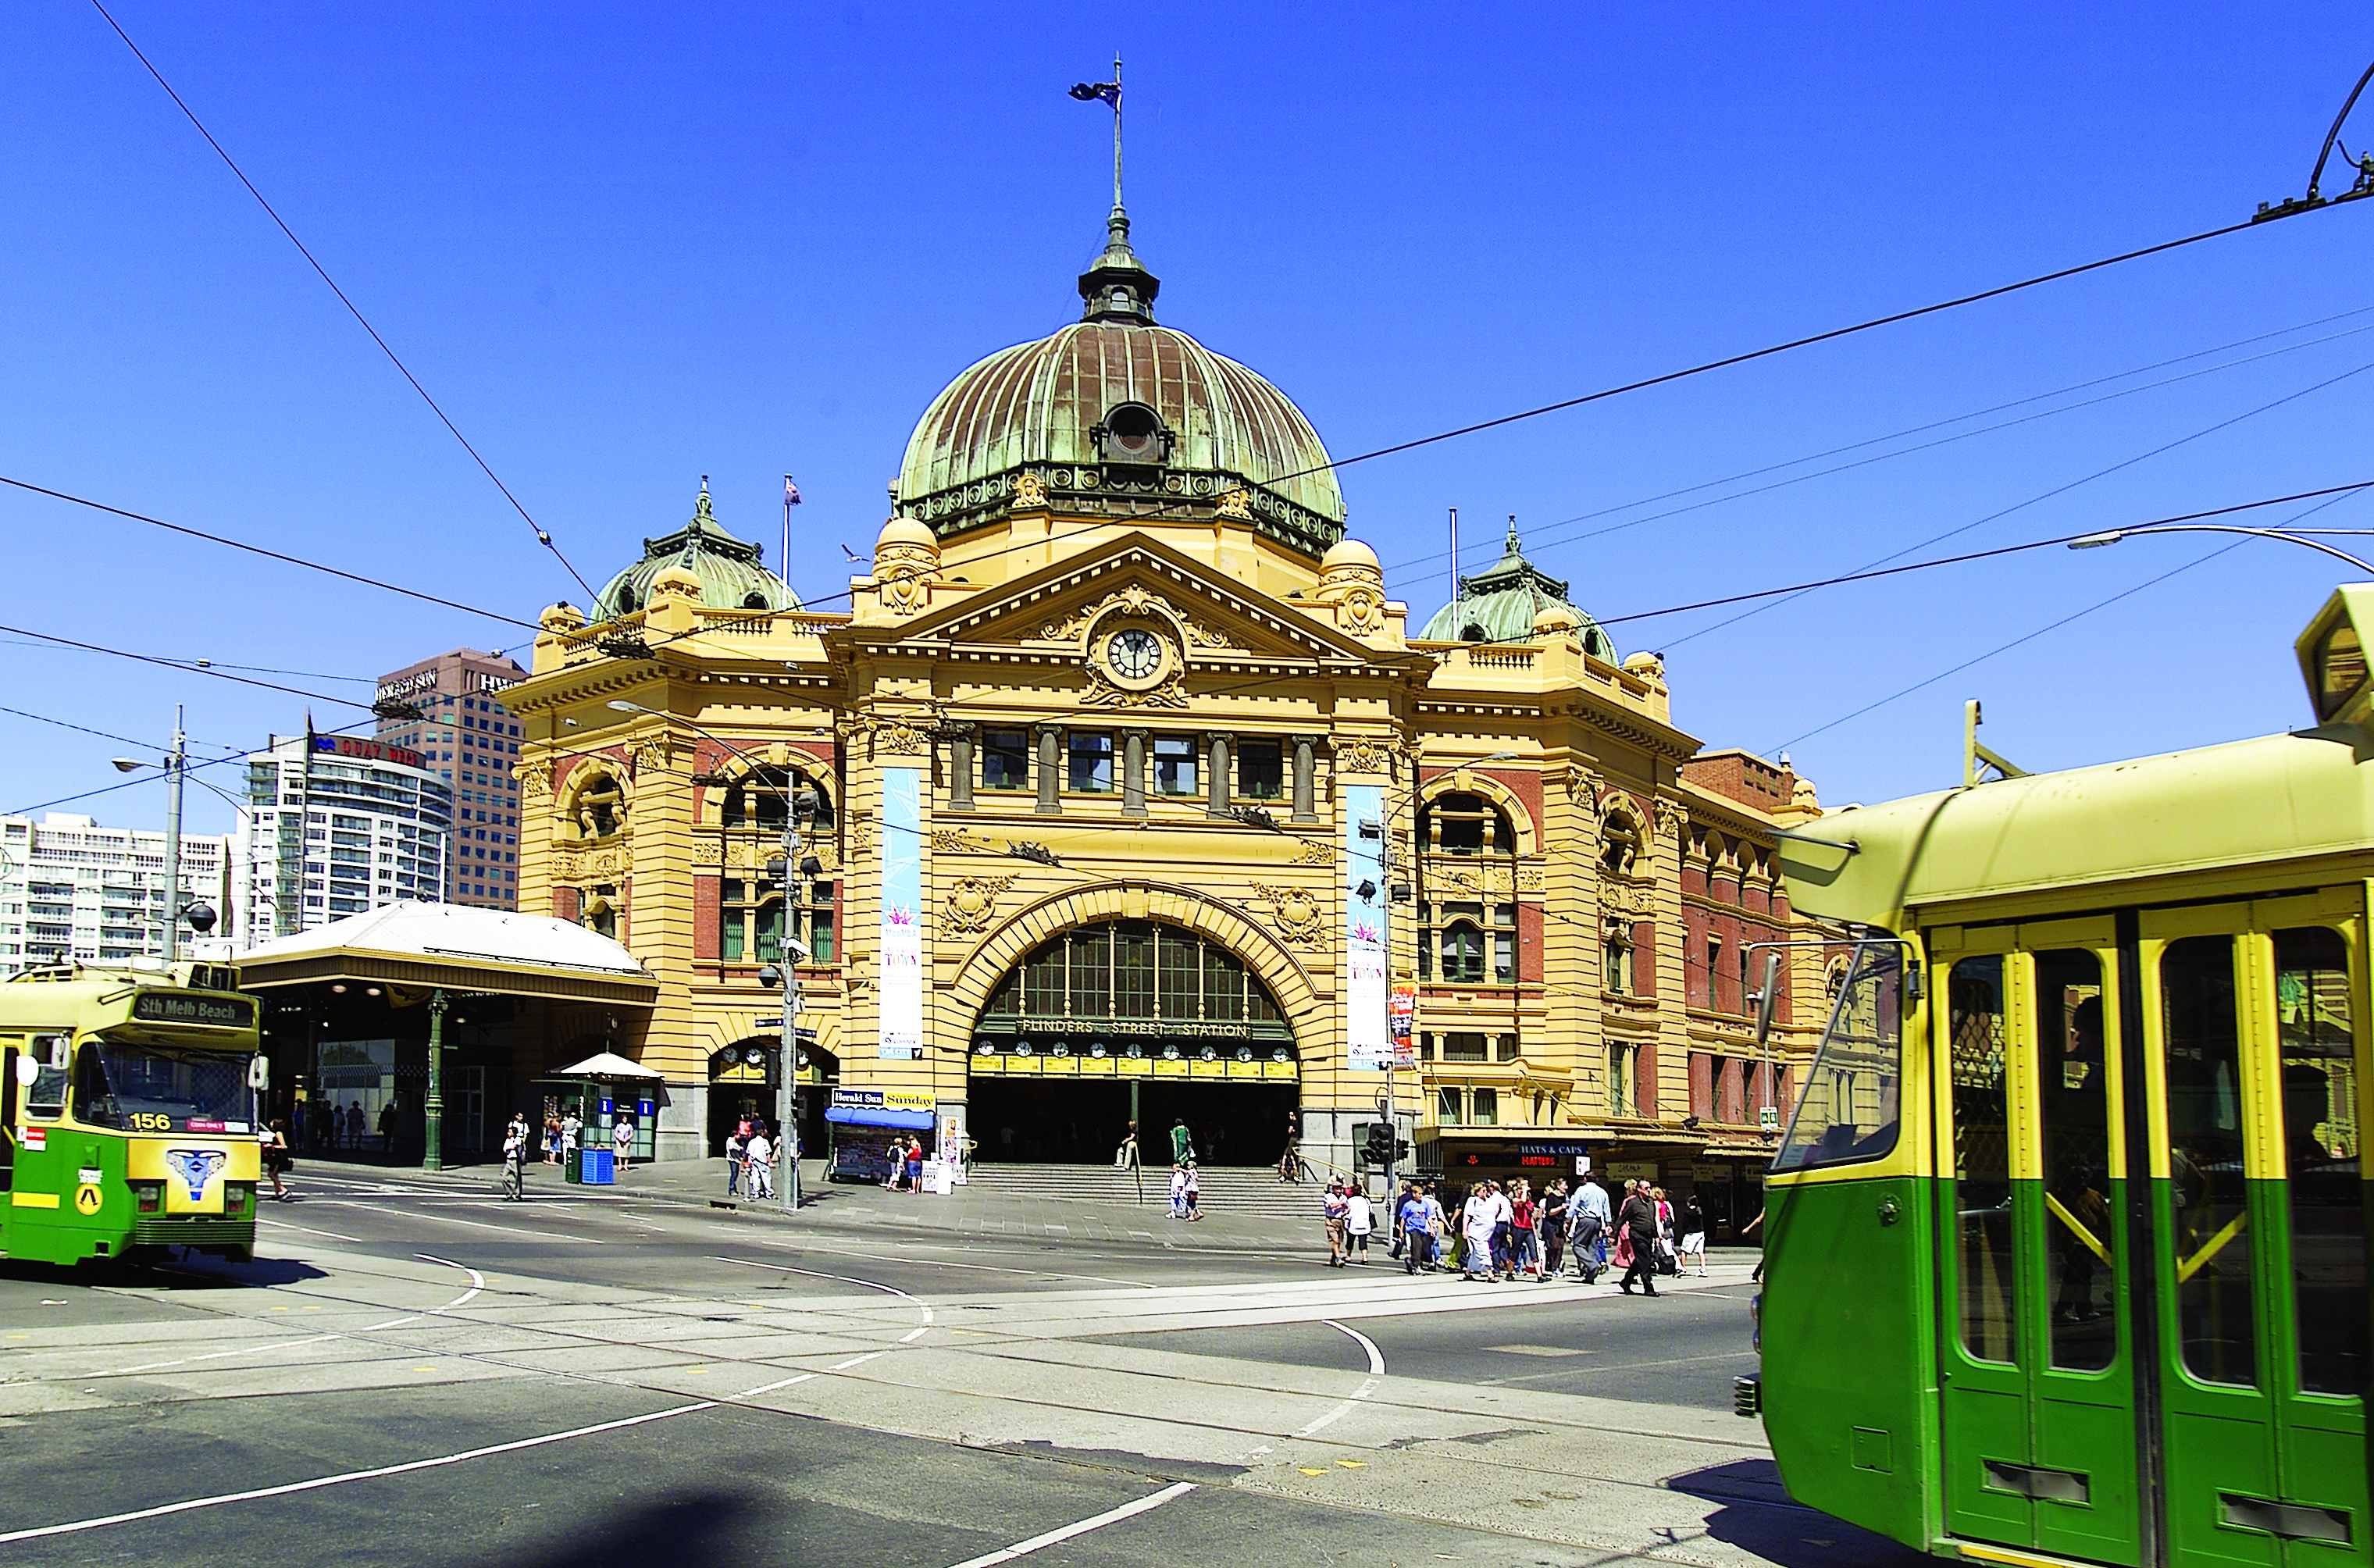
<point>2112,535</point>
<point>799,805</point>
<point>433,1105</point>
<point>177,765</point>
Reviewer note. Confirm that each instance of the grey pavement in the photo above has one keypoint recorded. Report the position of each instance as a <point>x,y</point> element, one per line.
<point>418,1372</point>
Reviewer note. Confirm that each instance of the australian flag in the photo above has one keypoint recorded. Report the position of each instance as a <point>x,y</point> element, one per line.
<point>1098,92</point>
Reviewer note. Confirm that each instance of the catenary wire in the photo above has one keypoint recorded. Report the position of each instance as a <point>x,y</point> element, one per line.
<point>1664,378</point>
<point>176,664</point>
<point>2060,489</point>
<point>542,537</point>
<point>1547,538</point>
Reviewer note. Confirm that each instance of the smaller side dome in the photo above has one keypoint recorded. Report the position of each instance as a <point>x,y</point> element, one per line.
<point>1501,604</point>
<point>1552,619</point>
<point>676,582</point>
<point>726,571</point>
<point>906,531</point>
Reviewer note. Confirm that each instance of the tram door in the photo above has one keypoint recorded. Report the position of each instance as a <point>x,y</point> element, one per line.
<point>2255,1080</point>
<point>2036,1358</point>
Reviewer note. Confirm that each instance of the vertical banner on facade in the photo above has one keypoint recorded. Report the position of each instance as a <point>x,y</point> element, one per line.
<point>900,955</point>
<point>1403,1012</point>
<point>1366,1034</point>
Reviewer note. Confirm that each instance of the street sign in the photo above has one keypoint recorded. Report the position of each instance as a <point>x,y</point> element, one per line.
<point>1769,1118</point>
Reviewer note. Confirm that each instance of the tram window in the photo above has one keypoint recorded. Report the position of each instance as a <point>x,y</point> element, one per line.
<point>1848,1111</point>
<point>94,1106</point>
<point>1983,1230</point>
<point>2073,1095</point>
<point>2205,1186</point>
<point>47,1097</point>
<point>2321,1153</point>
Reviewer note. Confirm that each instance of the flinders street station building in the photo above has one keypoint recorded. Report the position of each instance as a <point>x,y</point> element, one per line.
<point>1135,794</point>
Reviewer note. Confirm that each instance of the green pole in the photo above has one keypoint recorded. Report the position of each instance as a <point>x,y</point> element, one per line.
<point>433,1154</point>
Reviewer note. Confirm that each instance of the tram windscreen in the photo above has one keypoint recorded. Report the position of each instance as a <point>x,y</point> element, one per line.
<point>163,1088</point>
<point>1850,1110</point>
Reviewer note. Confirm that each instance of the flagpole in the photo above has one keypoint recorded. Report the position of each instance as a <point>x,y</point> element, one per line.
<point>1116,206</point>
<point>783,561</point>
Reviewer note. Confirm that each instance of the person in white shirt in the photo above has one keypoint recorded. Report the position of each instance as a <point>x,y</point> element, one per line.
<point>1359,1219</point>
<point>622,1140</point>
<point>763,1164</point>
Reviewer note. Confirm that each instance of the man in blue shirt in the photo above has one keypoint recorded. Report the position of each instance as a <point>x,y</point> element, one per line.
<point>1416,1225</point>
<point>1589,1219</point>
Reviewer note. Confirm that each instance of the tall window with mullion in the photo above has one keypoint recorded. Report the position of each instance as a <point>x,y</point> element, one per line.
<point>750,926</point>
<point>1261,771</point>
<point>1091,771</point>
<point>1175,766</point>
<point>1005,759</point>
<point>762,799</point>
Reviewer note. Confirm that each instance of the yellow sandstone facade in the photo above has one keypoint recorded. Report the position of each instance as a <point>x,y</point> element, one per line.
<point>1130,781</point>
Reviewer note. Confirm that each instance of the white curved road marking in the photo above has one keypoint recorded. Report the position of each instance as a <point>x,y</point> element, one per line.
<point>1110,1517</point>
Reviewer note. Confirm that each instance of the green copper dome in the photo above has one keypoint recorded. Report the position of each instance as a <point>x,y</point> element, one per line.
<point>1499,605</point>
<point>1119,416</point>
<point>731,577</point>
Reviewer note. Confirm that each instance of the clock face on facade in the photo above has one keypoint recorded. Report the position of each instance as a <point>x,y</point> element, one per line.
<point>1135,655</point>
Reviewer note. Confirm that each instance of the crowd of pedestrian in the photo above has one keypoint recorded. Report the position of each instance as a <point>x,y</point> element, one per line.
<point>1504,1232</point>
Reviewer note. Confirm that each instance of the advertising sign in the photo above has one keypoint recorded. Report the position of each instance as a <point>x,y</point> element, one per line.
<point>1368,1035</point>
<point>900,976</point>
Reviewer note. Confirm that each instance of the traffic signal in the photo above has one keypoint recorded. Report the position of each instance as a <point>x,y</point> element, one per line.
<point>1379,1150</point>
<point>1401,1149</point>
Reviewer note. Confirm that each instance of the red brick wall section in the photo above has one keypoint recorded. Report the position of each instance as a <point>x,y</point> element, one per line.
<point>705,919</point>
<point>1529,943</point>
<point>1703,1086</point>
<point>564,904</point>
<point>1645,1092</point>
<point>1644,960</point>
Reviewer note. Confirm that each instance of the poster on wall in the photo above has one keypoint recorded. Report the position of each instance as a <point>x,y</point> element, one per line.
<point>1368,1033</point>
<point>1402,1015</point>
<point>899,976</point>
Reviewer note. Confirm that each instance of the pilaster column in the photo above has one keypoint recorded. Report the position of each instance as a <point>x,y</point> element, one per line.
<point>1305,749</point>
<point>1050,769</point>
<point>1216,747</point>
<point>960,767</point>
<point>1132,773</point>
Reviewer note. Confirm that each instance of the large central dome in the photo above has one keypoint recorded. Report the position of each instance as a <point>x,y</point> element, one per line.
<point>1120,416</point>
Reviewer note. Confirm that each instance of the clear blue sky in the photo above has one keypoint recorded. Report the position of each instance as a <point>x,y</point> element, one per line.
<point>629,245</point>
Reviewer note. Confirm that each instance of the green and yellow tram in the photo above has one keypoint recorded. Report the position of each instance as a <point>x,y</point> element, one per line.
<point>2067,1237</point>
<point>127,1112</point>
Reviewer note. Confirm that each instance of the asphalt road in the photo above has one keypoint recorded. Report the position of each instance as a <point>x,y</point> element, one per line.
<point>414,1372</point>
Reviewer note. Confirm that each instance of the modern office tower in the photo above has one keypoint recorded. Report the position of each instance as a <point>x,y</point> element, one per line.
<point>70,888</point>
<point>336,825</point>
<point>458,723</point>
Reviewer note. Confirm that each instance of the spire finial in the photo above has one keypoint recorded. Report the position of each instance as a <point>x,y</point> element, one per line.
<point>1116,288</point>
<point>701,512</point>
<point>1512,534</point>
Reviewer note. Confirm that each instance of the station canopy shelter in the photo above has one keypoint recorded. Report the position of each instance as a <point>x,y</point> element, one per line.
<point>346,1012</point>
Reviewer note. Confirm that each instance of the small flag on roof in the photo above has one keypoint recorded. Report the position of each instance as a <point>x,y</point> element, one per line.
<point>790,492</point>
<point>1098,92</point>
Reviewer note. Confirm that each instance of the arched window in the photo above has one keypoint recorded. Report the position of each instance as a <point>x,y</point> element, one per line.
<point>1465,824</point>
<point>1462,954</point>
<point>762,799</point>
<point>601,913</point>
<point>1619,844</point>
<point>1131,985</point>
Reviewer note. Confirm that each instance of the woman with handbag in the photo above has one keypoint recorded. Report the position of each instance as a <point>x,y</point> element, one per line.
<point>275,1139</point>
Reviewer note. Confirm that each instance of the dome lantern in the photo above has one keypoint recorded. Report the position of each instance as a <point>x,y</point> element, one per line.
<point>728,571</point>
<point>1503,602</point>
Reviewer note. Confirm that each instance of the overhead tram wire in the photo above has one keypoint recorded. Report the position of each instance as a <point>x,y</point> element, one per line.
<point>2284,526</point>
<point>542,537</point>
<point>194,767</point>
<point>1664,378</point>
<point>186,669</point>
<point>2063,489</point>
<point>1545,536</point>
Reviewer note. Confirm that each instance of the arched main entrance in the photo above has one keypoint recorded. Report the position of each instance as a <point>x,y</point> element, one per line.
<point>1116,1020</point>
<point>744,1080</point>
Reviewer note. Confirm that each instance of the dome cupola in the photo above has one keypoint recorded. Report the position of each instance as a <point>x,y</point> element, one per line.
<point>727,569</point>
<point>1505,602</point>
<point>1118,416</point>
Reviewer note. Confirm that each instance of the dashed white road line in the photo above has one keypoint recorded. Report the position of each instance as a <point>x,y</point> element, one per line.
<point>770,1388</point>
<point>77,1525</point>
<point>1110,1517</point>
<point>309,1230</point>
<point>856,1361</point>
<point>216,1355</point>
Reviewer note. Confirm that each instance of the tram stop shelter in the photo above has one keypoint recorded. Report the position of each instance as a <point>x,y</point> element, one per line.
<point>349,1007</point>
<point>600,1090</point>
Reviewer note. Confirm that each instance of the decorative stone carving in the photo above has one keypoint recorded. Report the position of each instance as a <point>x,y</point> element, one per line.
<point>971,904</point>
<point>949,841</point>
<point>1362,608</point>
<point>536,785</point>
<point>608,863</point>
<point>1104,691</point>
<point>1202,636</point>
<point>1315,852</point>
<point>652,752</point>
<point>1363,757</point>
<point>906,562</point>
<point>1237,503</point>
<point>860,834</point>
<point>898,738</point>
<point>1029,491</point>
<point>1298,916</point>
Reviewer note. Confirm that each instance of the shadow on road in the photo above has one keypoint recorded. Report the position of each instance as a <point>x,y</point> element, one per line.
<point>1761,1519</point>
<point>691,1526</point>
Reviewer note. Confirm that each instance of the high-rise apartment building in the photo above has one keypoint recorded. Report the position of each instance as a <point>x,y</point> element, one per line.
<point>70,888</point>
<point>472,743</point>
<point>336,825</point>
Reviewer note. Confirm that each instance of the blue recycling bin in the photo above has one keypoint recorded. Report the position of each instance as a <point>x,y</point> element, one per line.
<point>599,1168</point>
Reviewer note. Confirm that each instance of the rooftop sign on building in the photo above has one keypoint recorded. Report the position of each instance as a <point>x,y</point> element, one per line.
<point>369,751</point>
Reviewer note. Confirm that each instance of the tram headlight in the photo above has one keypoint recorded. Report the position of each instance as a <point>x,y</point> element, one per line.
<point>149,1196</point>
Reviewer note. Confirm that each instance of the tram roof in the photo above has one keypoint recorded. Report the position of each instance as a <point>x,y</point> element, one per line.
<point>2261,803</point>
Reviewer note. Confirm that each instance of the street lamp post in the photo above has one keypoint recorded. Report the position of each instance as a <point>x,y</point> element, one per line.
<point>177,767</point>
<point>799,806</point>
<point>432,1153</point>
<point>2112,535</point>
